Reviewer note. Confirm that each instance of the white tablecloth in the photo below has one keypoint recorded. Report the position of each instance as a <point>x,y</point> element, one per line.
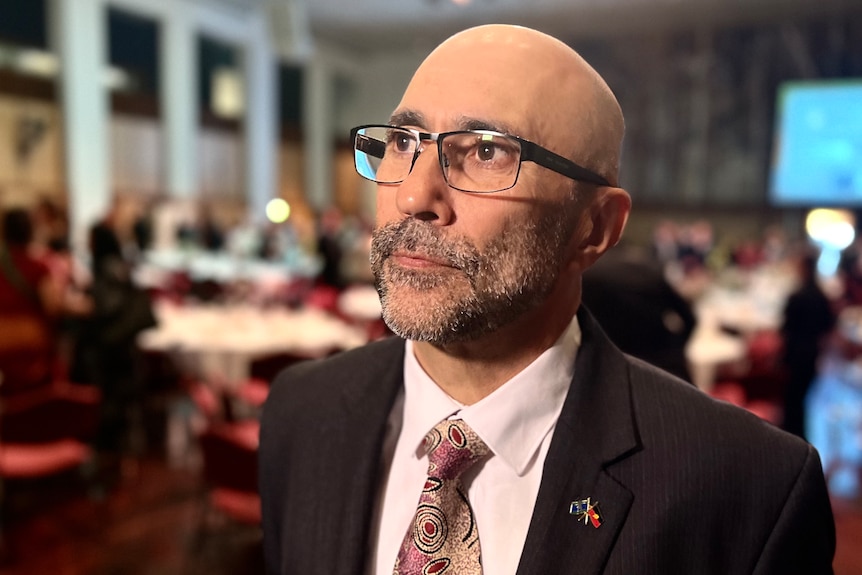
<point>748,301</point>
<point>360,302</point>
<point>745,301</point>
<point>219,342</point>
<point>222,267</point>
<point>708,349</point>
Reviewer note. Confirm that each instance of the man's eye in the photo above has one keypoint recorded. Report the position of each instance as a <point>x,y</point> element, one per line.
<point>486,152</point>
<point>402,143</point>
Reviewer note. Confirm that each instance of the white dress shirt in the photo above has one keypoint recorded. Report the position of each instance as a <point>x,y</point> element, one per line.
<point>516,421</point>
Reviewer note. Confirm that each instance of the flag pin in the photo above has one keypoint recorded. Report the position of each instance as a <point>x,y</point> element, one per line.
<point>586,510</point>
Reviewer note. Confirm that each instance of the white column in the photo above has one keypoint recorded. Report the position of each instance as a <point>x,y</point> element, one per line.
<point>261,118</point>
<point>317,103</point>
<point>79,38</point>
<point>179,89</point>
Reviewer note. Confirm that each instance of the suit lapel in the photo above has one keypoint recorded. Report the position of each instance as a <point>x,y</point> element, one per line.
<point>364,407</point>
<point>596,428</point>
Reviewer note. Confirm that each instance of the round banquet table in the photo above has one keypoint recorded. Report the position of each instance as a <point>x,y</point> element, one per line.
<point>219,342</point>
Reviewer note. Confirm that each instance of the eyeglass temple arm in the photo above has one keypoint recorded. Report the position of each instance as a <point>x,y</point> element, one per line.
<point>370,146</point>
<point>548,159</point>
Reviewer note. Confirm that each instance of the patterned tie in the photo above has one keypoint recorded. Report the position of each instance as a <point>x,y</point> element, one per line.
<point>443,536</point>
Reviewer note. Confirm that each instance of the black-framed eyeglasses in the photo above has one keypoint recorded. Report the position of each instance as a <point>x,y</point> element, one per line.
<point>477,161</point>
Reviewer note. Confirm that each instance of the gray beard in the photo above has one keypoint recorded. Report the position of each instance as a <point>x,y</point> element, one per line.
<point>481,292</point>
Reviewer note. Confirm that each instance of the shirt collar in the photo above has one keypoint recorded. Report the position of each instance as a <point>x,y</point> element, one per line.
<point>514,419</point>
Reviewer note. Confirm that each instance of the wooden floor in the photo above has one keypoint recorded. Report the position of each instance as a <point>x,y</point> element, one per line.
<point>149,522</point>
<point>848,527</point>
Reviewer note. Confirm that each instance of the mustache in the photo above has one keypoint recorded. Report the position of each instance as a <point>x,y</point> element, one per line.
<point>414,236</point>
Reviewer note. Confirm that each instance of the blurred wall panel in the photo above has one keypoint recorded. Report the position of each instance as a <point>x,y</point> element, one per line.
<point>31,151</point>
<point>221,167</point>
<point>292,172</point>
<point>137,165</point>
<point>347,182</point>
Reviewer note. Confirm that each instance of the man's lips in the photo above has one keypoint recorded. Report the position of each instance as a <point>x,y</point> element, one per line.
<point>418,260</point>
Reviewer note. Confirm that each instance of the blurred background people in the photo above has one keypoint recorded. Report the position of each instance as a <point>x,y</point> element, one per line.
<point>32,301</point>
<point>639,309</point>
<point>107,349</point>
<point>808,319</point>
<point>330,248</point>
<point>209,234</point>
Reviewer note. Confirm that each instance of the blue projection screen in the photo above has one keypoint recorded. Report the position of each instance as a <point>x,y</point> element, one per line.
<point>817,158</point>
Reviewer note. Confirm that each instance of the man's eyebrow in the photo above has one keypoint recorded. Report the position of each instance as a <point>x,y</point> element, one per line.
<point>467,123</point>
<point>417,119</point>
<point>407,118</point>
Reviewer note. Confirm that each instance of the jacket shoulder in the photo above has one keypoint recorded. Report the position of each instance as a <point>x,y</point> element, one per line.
<point>317,385</point>
<point>733,480</point>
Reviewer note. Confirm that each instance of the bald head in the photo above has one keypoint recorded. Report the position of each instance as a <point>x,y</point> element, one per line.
<point>525,83</point>
<point>505,265</point>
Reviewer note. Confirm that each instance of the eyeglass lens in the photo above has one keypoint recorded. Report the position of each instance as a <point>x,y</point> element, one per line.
<point>476,161</point>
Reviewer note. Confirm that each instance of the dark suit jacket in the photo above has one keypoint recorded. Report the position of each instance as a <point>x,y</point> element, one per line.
<point>684,484</point>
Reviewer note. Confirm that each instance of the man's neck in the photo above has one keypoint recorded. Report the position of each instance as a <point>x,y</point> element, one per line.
<point>470,371</point>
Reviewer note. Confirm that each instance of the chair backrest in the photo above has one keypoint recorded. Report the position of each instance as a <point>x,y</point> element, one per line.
<point>267,367</point>
<point>230,455</point>
<point>50,413</point>
<point>27,355</point>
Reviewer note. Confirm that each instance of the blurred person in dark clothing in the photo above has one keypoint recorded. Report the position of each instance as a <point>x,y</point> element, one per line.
<point>107,348</point>
<point>210,233</point>
<point>330,249</point>
<point>639,309</point>
<point>143,224</point>
<point>808,320</point>
<point>851,277</point>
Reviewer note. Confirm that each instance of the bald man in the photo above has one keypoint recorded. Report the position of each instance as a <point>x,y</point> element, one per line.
<point>502,432</point>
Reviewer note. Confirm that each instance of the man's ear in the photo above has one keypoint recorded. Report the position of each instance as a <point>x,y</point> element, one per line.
<point>606,217</point>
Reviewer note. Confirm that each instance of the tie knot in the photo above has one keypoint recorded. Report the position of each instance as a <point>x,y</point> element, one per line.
<point>452,448</point>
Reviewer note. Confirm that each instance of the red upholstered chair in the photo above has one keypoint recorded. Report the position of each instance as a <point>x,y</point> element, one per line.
<point>230,502</point>
<point>20,463</point>
<point>37,405</point>
<point>735,393</point>
<point>265,368</point>
<point>229,452</point>
<point>51,412</point>
<point>323,297</point>
<point>764,351</point>
<point>253,392</point>
<point>44,432</point>
<point>27,353</point>
<point>766,410</point>
<point>33,460</point>
<point>47,430</point>
<point>729,391</point>
<point>45,422</point>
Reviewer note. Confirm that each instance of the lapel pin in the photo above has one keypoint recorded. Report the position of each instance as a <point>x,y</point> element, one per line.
<point>587,511</point>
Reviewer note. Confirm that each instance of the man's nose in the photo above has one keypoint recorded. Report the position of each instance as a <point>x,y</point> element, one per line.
<point>424,193</point>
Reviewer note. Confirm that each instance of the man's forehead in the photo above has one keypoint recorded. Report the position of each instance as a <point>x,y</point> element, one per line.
<point>488,88</point>
<point>418,119</point>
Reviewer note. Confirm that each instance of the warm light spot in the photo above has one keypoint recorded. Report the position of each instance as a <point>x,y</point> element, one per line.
<point>830,228</point>
<point>277,211</point>
<point>228,93</point>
